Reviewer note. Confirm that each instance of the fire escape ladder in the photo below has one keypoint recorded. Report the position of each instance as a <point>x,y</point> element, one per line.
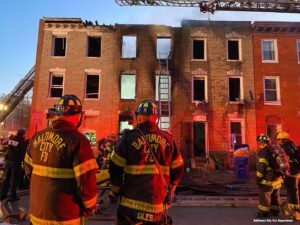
<point>164,91</point>
<point>17,94</point>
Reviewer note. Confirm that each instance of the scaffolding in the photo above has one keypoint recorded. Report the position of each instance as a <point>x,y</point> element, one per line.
<point>17,94</point>
<point>282,6</point>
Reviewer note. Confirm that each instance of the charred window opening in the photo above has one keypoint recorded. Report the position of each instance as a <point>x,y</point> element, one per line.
<point>234,89</point>
<point>236,133</point>
<point>94,46</point>
<point>128,47</point>
<point>92,86</point>
<point>128,86</point>
<point>199,89</point>
<point>269,50</point>
<point>163,48</point>
<point>199,49</point>
<point>271,89</point>
<point>56,86</point>
<point>59,46</point>
<point>233,50</point>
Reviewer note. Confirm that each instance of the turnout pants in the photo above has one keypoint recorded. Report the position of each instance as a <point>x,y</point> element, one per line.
<point>292,185</point>
<point>11,178</point>
<point>269,201</point>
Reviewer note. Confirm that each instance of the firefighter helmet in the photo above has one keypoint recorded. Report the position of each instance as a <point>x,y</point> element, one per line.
<point>282,136</point>
<point>263,138</point>
<point>147,108</point>
<point>67,105</point>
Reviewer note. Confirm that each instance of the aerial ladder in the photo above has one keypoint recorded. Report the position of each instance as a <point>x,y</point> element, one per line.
<point>17,94</point>
<point>281,6</point>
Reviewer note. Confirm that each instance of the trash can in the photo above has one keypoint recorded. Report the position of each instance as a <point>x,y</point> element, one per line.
<point>241,161</point>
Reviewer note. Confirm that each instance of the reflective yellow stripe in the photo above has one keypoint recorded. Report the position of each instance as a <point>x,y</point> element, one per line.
<point>115,188</point>
<point>118,160</point>
<point>275,207</point>
<point>91,203</point>
<point>258,174</point>
<point>145,169</point>
<point>295,175</point>
<point>263,208</point>
<point>176,163</point>
<point>269,168</point>
<point>84,167</point>
<point>37,221</point>
<point>28,159</point>
<point>143,206</point>
<point>292,206</point>
<point>275,184</point>
<point>262,160</point>
<point>52,172</point>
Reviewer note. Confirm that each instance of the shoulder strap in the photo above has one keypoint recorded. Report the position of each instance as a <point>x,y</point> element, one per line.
<point>155,160</point>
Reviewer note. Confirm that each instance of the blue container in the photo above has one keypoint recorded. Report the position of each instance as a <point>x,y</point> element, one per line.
<point>241,166</point>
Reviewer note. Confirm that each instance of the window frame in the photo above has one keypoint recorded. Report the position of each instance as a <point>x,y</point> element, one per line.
<point>243,130</point>
<point>275,50</point>
<point>87,45</point>
<point>198,77</point>
<point>53,46</point>
<point>135,87</point>
<point>85,86</point>
<point>123,57</point>
<point>278,102</point>
<point>242,97</point>
<point>156,87</point>
<point>240,49</point>
<point>204,49</point>
<point>50,84</point>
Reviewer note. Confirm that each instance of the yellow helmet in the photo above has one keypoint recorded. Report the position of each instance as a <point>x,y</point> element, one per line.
<point>282,135</point>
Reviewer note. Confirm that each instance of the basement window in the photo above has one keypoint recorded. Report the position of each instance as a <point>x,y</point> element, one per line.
<point>269,51</point>
<point>92,86</point>
<point>59,46</point>
<point>199,52</point>
<point>163,88</point>
<point>94,47</point>
<point>235,89</point>
<point>56,86</point>
<point>128,47</point>
<point>128,86</point>
<point>199,89</point>
<point>271,90</point>
<point>163,48</point>
<point>233,50</point>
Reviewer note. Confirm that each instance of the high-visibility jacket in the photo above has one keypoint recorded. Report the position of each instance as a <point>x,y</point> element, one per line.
<point>134,174</point>
<point>63,169</point>
<point>266,174</point>
<point>294,157</point>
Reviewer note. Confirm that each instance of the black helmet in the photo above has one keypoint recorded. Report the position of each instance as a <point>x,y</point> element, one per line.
<point>67,105</point>
<point>263,138</point>
<point>21,132</point>
<point>147,108</point>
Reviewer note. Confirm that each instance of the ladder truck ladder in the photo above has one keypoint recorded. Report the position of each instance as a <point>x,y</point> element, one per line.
<point>164,91</point>
<point>17,94</point>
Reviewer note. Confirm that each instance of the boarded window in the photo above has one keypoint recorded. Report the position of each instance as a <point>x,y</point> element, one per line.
<point>94,46</point>
<point>163,48</point>
<point>56,86</point>
<point>198,49</point>
<point>129,47</point>
<point>268,47</point>
<point>233,50</point>
<point>234,89</point>
<point>127,86</point>
<point>271,89</point>
<point>199,89</point>
<point>59,46</point>
<point>92,86</point>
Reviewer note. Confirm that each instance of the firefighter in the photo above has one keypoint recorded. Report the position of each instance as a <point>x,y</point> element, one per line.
<point>269,179</point>
<point>62,168</point>
<point>134,174</point>
<point>14,156</point>
<point>292,181</point>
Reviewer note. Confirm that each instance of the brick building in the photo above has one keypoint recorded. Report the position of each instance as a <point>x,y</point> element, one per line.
<point>277,77</point>
<point>113,68</point>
